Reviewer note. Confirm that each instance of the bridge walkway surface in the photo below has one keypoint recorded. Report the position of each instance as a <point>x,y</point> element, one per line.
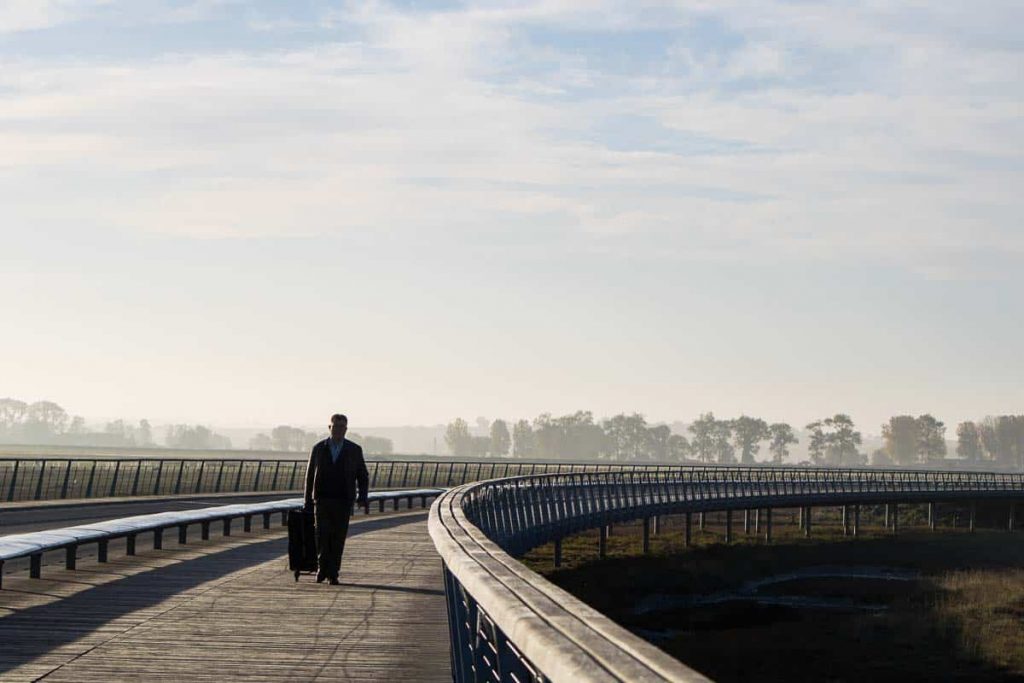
<point>229,609</point>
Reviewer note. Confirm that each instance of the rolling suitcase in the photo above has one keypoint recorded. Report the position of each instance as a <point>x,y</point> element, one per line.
<point>301,542</point>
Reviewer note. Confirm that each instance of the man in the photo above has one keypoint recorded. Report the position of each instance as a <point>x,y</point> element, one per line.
<point>336,465</point>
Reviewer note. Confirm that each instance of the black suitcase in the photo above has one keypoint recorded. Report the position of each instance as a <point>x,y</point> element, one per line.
<point>301,542</point>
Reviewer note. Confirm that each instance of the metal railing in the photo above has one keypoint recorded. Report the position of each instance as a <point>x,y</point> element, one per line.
<point>38,479</point>
<point>508,623</point>
<point>34,544</point>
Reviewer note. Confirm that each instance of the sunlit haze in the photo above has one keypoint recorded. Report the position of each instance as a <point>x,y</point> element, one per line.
<point>254,213</point>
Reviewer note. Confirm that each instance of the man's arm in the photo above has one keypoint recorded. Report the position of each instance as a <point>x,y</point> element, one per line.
<point>310,474</point>
<point>362,480</point>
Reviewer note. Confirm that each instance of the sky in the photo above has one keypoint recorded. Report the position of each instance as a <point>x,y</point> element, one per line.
<point>254,213</point>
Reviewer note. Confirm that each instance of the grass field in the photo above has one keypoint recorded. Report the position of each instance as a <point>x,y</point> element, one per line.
<point>961,618</point>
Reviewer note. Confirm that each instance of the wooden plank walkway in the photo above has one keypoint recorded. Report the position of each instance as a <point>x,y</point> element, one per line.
<point>229,609</point>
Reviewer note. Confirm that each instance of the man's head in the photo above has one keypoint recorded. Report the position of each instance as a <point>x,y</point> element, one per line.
<point>339,425</point>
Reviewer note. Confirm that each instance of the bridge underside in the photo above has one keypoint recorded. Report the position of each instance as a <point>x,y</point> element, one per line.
<point>229,609</point>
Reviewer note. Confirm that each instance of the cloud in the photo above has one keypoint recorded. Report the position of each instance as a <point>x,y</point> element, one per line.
<point>744,131</point>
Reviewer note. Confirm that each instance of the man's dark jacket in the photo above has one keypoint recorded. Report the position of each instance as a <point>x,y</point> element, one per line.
<point>327,479</point>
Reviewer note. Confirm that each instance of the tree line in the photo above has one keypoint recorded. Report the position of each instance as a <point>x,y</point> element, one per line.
<point>295,439</point>
<point>624,438</point>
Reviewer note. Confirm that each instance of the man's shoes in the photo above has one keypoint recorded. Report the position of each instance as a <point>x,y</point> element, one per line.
<point>320,576</point>
<point>334,581</point>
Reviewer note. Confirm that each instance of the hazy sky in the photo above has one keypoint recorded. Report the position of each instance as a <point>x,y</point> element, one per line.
<point>262,212</point>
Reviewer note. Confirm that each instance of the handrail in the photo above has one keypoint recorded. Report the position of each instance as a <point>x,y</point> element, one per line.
<point>59,478</point>
<point>507,621</point>
<point>35,543</point>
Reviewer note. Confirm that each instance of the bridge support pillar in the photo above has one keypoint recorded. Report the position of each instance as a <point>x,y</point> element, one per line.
<point>728,527</point>
<point>768,525</point>
<point>656,525</point>
<point>686,529</point>
<point>746,521</point>
<point>887,515</point>
<point>802,523</point>
<point>807,522</point>
<point>700,521</point>
<point>1013,516</point>
<point>757,521</point>
<point>856,520</point>
<point>558,552</point>
<point>602,542</point>
<point>846,520</point>
<point>932,516</point>
<point>973,516</point>
<point>647,535</point>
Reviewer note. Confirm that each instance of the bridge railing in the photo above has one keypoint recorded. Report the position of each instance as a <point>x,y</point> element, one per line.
<point>34,544</point>
<point>508,623</point>
<point>38,479</point>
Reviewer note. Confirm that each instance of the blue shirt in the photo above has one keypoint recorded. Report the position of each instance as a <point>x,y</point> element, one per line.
<point>335,449</point>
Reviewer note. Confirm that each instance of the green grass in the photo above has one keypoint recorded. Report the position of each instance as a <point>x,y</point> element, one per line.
<point>963,620</point>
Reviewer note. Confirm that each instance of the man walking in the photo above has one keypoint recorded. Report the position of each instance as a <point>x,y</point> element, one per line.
<point>336,465</point>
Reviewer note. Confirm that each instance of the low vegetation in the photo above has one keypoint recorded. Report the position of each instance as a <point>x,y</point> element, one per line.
<point>960,617</point>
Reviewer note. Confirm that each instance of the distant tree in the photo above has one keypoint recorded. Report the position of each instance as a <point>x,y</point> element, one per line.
<point>12,415</point>
<point>288,438</point>
<point>77,426</point>
<point>261,442</point>
<point>702,444</point>
<point>987,436</point>
<point>572,437</point>
<point>722,439</point>
<point>678,448</point>
<point>44,420</point>
<point>376,445</point>
<point>819,442</point>
<point>524,445</point>
<point>195,437</point>
<point>968,441</point>
<point>144,434</point>
<point>748,433</point>
<point>842,441</point>
<point>902,438</point>
<point>483,425</point>
<point>118,433</point>
<point>480,446</point>
<point>501,440</point>
<point>781,437</point>
<point>880,458</point>
<point>931,439</point>
<point>1003,439</point>
<point>458,438</point>
<point>626,436</point>
<point>657,443</point>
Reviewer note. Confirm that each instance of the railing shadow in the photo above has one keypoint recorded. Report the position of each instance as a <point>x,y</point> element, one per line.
<point>32,632</point>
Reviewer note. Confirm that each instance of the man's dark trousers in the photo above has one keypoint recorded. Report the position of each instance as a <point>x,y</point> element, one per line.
<point>331,528</point>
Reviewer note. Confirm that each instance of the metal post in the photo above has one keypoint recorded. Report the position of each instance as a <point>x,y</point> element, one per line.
<point>647,535</point>
<point>746,521</point>
<point>227,526</point>
<point>895,519</point>
<point>182,534</point>
<point>158,539</point>
<point>70,556</point>
<point>204,531</point>
<point>728,527</point>
<point>35,565</point>
<point>932,521</point>
<point>807,522</point>
<point>101,551</point>
<point>602,543</point>
<point>266,520</point>
<point>846,520</point>
<point>129,542</point>
<point>856,520</point>
<point>974,516</point>
<point>247,523</point>
<point>757,521</point>
<point>768,525</point>
<point>656,525</point>
<point>700,521</point>
<point>887,522</point>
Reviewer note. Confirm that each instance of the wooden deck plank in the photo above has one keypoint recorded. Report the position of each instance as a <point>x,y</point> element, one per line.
<point>230,610</point>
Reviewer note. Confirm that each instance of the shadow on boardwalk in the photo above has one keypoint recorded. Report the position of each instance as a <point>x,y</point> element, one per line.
<point>33,632</point>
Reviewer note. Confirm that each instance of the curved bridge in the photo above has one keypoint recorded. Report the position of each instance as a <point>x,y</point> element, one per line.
<point>508,623</point>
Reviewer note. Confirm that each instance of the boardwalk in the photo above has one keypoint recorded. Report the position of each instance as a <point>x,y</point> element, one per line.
<point>230,610</point>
